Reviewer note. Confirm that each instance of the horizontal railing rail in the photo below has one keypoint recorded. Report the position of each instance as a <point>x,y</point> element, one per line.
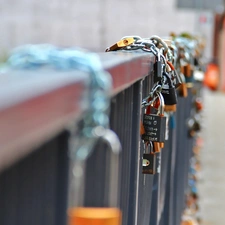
<point>36,105</point>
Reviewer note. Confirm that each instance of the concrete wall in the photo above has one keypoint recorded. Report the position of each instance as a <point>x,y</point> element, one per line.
<point>93,24</point>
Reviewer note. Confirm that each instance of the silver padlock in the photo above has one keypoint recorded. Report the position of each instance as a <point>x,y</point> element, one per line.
<point>77,213</point>
<point>149,160</point>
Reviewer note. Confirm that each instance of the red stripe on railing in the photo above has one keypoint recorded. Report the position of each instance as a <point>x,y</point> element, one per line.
<point>27,124</point>
<point>31,123</point>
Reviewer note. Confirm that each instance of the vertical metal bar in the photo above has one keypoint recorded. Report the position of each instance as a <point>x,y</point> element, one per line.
<point>137,96</point>
<point>169,151</point>
<point>184,147</point>
<point>121,123</point>
<point>165,164</point>
<point>62,182</point>
<point>180,161</point>
<point>155,199</point>
<point>145,180</point>
<point>30,190</point>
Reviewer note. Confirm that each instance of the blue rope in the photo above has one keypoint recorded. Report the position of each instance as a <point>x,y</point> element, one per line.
<point>33,57</point>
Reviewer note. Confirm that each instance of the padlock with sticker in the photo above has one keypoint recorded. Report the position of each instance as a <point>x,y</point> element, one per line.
<point>169,91</point>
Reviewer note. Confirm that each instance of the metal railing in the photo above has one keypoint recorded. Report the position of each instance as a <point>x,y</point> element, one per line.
<point>35,112</point>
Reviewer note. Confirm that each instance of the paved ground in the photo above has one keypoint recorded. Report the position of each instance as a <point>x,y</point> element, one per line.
<point>212,183</point>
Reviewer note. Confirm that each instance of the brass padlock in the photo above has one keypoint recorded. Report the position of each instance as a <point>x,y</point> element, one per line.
<point>182,90</point>
<point>187,70</point>
<point>121,44</point>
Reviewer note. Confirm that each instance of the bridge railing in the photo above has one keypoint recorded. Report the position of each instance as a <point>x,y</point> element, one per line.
<point>37,107</point>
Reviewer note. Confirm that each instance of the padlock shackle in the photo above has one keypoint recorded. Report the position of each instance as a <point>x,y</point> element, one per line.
<point>113,142</point>
<point>111,139</point>
<point>136,38</point>
<point>162,103</point>
<point>149,145</point>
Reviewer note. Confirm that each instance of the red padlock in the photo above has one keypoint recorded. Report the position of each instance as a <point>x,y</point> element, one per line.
<point>198,104</point>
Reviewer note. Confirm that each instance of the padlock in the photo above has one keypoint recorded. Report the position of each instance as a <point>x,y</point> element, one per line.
<point>182,69</point>
<point>149,160</point>
<point>168,91</point>
<point>189,81</point>
<point>157,65</point>
<point>194,125</point>
<point>155,124</point>
<point>187,71</point>
<point>177,79</point>
<point>157,71</point>
<point>121,44</point>
<point>198,104</point>
<point>182,90</point>
<point>81,215</point>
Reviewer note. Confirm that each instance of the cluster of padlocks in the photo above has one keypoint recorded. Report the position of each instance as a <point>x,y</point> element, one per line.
<point>191,215</point>
<point>176,69</point>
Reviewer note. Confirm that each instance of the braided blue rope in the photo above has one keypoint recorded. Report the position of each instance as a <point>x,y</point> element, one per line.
<point>33,57</point>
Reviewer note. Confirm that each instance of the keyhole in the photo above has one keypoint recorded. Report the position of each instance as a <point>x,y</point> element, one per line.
<point>145,162</point>
<point>125,42</point>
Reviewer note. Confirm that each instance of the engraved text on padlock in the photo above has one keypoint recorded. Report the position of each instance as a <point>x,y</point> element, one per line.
<point>154,128</point>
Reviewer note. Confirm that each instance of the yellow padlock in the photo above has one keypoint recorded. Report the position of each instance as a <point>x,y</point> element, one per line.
<point>121,44</point>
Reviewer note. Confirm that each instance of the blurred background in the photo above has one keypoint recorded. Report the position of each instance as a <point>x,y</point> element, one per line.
<point>97,24</point>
